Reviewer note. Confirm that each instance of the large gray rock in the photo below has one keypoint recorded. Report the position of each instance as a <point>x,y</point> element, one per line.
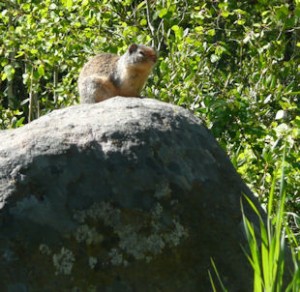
<point>125,195</point>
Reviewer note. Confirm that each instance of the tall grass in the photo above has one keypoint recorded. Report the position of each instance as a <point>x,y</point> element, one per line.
<point>268,256</point>
<point>267,245</point>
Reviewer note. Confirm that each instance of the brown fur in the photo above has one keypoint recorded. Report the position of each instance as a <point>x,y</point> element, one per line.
<point>108,75</point>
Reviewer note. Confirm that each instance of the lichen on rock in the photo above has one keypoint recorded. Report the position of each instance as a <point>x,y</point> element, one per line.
<point>138,235</point>
<point>63,261</point>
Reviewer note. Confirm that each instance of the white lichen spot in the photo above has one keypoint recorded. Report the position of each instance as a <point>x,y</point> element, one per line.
<point>44,249</point>
<point>63,261</point>
<point>162,190</point>
<point>132,244</point>
<point>174,203</point>
<point>178,233</point>
<point>116,258</point>
<point>110,215</point>
<point>79,216</point>
<point>156,214</point>
<point>135,244</point>
<point>93,261</point>
<point>155,243</point>
<point>157,211</point>
<point>104,211</point>
<point>87,234</point>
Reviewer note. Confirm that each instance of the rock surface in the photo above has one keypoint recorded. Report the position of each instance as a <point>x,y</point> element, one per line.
<point>125,195</point>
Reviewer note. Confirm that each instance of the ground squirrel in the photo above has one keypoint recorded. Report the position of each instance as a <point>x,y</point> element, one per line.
<point>108,75</point>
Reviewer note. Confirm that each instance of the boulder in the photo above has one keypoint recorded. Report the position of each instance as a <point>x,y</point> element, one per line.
<point>125,195</point>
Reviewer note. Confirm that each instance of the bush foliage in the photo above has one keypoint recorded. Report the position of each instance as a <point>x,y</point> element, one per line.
<point>235,64</point>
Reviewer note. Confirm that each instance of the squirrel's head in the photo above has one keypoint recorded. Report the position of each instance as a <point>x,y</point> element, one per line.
<point>141,54</point>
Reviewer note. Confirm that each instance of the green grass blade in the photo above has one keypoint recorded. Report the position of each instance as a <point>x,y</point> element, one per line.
<point>218,277</point>
<point>212,282</point>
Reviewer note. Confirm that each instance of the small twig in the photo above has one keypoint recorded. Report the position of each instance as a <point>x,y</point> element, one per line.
<point>151,27</point>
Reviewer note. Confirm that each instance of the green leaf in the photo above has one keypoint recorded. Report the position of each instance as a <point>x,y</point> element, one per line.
<point>41,70</point>
<point>163,12</point>
<point>67,3</point>
<point>175,28</point>
<point>9,72</point>
<point>143,22</point>
<point>211,32</point>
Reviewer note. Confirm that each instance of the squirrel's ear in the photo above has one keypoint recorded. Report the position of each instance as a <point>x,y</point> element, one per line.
<point>132,48</point>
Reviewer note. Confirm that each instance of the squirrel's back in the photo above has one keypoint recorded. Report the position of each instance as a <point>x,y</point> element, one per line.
<point>103,64</point>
